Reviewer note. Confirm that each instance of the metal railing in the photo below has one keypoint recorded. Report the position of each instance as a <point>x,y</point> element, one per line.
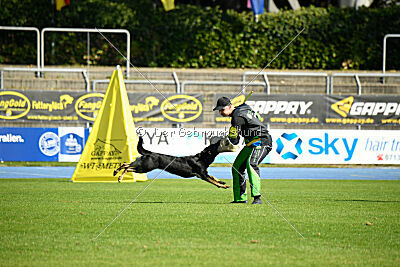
<point>40,46</point>
<point>12,28</point>
<point>181,86</point>
<point>357,78</point>
<point>297,74</point>
<point>40,70</point>
<point>128,40</point>
<point>184,83</point>
<point>175,82</point>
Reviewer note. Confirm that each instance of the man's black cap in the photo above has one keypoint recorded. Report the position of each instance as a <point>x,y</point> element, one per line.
<point>222,102</point>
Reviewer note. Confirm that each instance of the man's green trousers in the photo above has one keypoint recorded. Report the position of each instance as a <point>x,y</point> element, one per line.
<point>248,158</point>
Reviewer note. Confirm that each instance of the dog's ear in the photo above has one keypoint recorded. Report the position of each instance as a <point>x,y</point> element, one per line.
<point>215,139</point>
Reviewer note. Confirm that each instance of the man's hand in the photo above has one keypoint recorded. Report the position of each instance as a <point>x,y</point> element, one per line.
<point>226,145</point>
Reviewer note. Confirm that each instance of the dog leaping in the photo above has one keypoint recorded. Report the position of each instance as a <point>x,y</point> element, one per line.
<point>187,166</point>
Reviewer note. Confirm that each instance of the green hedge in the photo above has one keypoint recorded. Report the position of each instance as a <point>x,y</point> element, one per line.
<point>196,37</point>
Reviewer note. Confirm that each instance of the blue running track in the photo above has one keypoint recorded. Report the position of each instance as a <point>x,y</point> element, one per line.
<point>225,173</point>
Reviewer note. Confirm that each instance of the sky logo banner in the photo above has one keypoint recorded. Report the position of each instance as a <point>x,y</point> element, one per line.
<point>336,147</point>
<point>292,141</point>
<point>315,146</point>
<point>290,146</point>
<point>332,145</point>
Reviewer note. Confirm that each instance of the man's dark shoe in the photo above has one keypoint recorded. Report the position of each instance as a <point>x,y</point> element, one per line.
<point>236,202</point>
<point>257,200</point>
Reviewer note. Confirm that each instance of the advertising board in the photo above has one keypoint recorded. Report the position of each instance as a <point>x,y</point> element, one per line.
<point>290,146</point>
<point>70,106</point>
<point>42,144</point>
<point>292,109</point>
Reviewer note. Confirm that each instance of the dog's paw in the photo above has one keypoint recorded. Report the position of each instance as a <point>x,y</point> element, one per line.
<point>119,179</point>
<point>115,172</point>
<point>225,186</point>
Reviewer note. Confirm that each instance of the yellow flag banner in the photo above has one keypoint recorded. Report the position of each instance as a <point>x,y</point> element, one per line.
<point>168,4</point>
<point>61,3</point>
<point>113,138</point>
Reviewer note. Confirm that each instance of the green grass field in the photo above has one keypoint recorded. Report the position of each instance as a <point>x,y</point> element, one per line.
<point>182,222</point>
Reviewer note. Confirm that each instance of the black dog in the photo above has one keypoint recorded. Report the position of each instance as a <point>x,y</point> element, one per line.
<point>188,166</point>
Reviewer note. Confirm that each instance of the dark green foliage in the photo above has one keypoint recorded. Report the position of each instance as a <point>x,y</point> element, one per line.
<point>197,37</point>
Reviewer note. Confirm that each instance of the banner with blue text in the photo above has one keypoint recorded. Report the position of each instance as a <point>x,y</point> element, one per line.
<point>290,146</point>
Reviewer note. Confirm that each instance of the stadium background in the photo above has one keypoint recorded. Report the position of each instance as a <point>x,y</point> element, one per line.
<point>333,72</point>
<point>204,52</point>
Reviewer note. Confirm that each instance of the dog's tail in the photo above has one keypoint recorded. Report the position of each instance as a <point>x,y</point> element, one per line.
<point>140,148</point>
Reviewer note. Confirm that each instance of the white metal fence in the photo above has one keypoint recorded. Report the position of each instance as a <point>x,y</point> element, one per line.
<point>124,31</point>
<point>180,86</point>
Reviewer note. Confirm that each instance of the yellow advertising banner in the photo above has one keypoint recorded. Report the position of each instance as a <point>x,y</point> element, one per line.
<point>113,139</point>
<point>72,106</point>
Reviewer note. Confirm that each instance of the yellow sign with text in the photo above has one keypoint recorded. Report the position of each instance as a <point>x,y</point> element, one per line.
<point>113,139</point>
<point>181,108</point>
<point>14,106</point>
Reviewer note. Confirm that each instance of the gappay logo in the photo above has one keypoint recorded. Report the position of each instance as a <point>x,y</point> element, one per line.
<point>281,107</point>
<point>104,150</point>
<point>347,107</point>
<point>181,108</point>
